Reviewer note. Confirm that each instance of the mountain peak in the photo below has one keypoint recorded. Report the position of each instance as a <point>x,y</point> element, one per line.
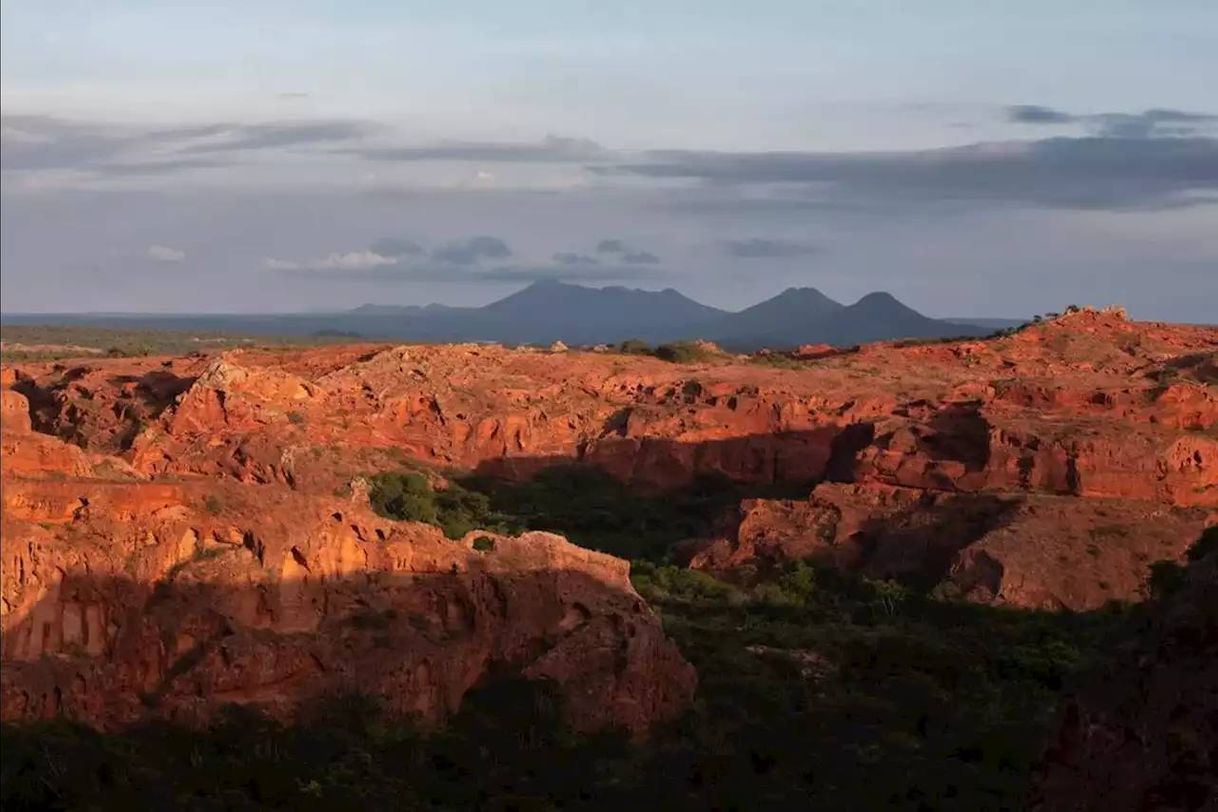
<point>549,282</point>
<point>879,297</point>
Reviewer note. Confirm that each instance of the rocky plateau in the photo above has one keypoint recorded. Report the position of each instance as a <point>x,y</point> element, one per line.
<point>183,532</point>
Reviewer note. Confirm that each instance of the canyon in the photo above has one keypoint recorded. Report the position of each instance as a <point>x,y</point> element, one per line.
<point>185,532</point>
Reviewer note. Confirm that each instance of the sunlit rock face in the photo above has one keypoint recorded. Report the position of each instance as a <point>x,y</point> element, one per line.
<point>128,599</point>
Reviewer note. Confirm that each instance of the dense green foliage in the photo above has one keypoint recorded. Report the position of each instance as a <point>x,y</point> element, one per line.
<point>596,511</point>
<point>582,502</point>
<point>454,509</point>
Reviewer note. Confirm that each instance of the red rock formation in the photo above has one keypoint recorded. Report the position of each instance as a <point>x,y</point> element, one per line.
<point>1029,550</point>
<point>1052,425</point>
<point>123,600</point>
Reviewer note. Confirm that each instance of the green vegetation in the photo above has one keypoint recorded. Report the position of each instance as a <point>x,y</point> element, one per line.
<point>677,352</point>
<point>52,342</point>
<point>634,346</point>
<point>582,502</point>
<point>778,360</point>
<point>817,691</point>
<point>684,352</point>
<point>596,511</point>
<point>455,510</point>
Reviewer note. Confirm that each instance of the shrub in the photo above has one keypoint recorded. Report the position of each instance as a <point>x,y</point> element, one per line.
<point>212,504</point>
<point>682,352</point>
<point>455,510</point>
<point>405,497</point>
<point>634,346</point>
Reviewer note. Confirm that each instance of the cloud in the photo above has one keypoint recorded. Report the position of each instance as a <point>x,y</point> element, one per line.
<point>570,258</point>
<point>40,142</point>
<point>354,261</point>
<point>640,258</point>
<point>44,143</point>
<point>1035,114</point>
<point>471,251</point>
<point>395,254</point>
<point>283,134</point>
<point>134,168</point>
<point>163,253</point>
<point>338,261</point>
<point>552,149</point>
<point>394,247</point>
<point>464,274</point>
<point>1086,173</point>
<point>1152,124</point>
<point>611,246</point>
<point>758,248</point>
<point>534,273</point>
<point>626,253</point>
<point>1155,123</point>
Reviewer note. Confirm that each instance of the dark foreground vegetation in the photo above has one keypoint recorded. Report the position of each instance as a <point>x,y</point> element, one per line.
<point>817,691</point>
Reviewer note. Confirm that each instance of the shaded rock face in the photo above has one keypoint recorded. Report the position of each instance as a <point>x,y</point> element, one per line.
<point>123,600</point>
<point>1030,550</point>
<point>1142,733</point>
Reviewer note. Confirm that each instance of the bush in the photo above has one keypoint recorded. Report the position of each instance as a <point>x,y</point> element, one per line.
<point>682,352</point>
<point>634,346</point>
<point>409,497</point>
<point>596,511</point>
<point>405,497</point>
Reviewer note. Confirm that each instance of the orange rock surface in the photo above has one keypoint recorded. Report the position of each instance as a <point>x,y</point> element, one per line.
<point>172,538</point>
<point>127,598</point>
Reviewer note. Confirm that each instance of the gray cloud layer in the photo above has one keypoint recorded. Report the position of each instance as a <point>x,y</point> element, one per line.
<point>1153,159</point>
<point>1156,123</point>
<point>472,250</point>
<point>570,258</point>
<point>553,149</point>
<point>1092,172</point>
<point>463,261</point>
<point>640,258</point>
<point>626,253</point>
<point>395,247</point>
<point>283,134</point>
<point>611,246</point>
<point>759,248</point>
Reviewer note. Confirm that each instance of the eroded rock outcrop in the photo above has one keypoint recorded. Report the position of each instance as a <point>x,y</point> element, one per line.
<point>124,600</point>
<point>1029,550</point>
<point>1089,408</point>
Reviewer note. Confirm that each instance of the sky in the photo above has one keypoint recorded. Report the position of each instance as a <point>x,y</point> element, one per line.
<point>972,157</point>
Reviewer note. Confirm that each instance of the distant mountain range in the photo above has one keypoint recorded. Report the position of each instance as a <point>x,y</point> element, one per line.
<point>550,311</point>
